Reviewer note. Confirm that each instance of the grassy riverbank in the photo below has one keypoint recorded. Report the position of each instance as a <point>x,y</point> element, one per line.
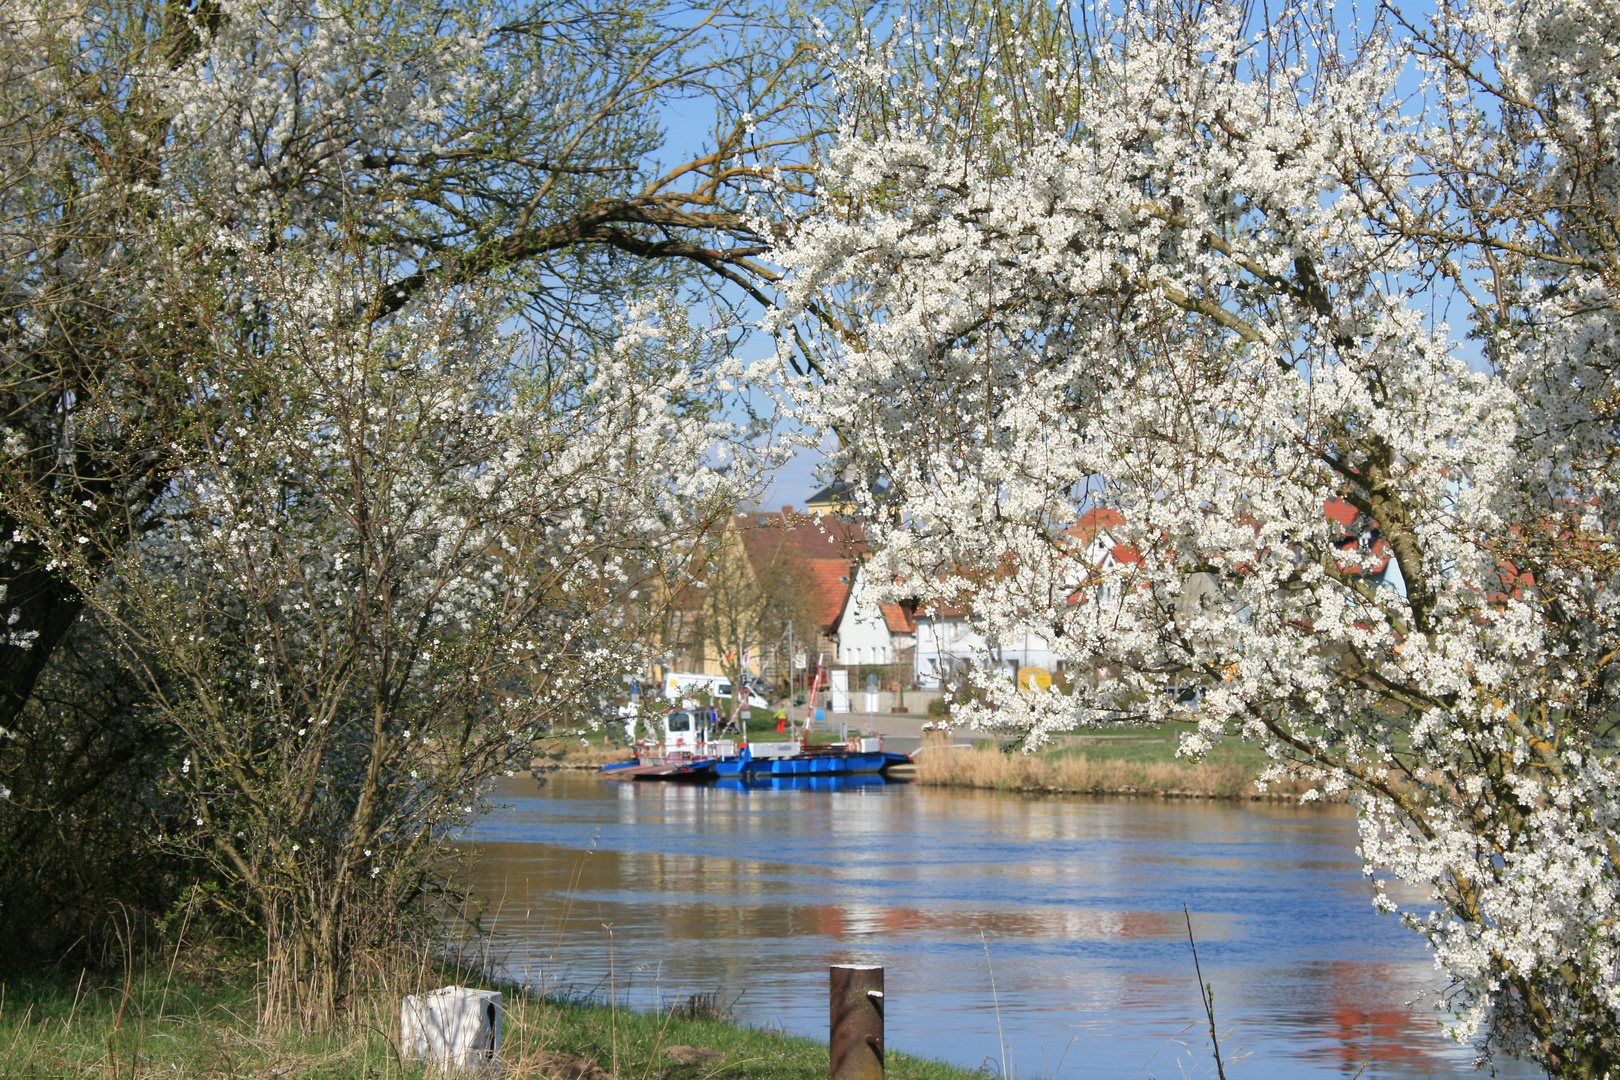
<point>1129,761</point>
<point>149,1025</point>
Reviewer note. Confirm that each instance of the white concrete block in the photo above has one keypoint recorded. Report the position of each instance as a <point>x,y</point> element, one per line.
<point>455,1028</point>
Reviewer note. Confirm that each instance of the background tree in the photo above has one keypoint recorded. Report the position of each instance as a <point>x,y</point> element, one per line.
<point>1168,261</point>
<point>727,624</point>
<point>753,589</point>
<point>786,592</point>
<point>388,555</point>
<point>454,143</point>
<point>146,149</point>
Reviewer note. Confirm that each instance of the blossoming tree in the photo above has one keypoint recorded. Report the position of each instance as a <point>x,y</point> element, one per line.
<point>151,152</point>
<point>503,142</point>
<point>386,554</point>
<point>1167,261</point>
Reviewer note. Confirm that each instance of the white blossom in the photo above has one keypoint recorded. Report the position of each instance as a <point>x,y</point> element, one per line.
<point>1193,274</point>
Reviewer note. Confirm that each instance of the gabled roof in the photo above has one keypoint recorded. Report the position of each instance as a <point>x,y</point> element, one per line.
<point>898,619</point>
<point>828,582</point>
<point>1098,519</point>
<point>825,550</point>
<point>1340,511</point>
<point>831,498</point>
<point>805,536</point>
<point>1100,523</point>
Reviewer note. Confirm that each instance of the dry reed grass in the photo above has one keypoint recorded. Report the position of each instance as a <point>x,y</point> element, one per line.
<point>568,752</point>
<point>941,765</point>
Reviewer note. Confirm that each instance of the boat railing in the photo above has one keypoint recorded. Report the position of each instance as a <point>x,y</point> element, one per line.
<point>659,754</point>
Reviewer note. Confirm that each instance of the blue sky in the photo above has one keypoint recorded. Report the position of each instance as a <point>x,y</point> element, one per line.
<point>689,126</point>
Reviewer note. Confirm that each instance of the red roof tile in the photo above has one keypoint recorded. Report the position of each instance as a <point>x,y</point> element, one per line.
<point>809,536</point>
<point>1124,553</point>
<point>897,619</point>
<point>824,548</point>
<point>828,580</point>
<point>1340,511</point>
<point>1096,520</point>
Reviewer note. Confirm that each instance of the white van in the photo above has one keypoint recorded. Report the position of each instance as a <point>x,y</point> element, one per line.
<point>679,684</point>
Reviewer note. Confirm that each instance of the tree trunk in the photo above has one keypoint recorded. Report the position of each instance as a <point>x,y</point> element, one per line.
<point>41,607</point>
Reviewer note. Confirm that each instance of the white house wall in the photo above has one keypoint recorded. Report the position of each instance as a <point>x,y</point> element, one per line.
<point>943,643</point>
<point>863,636</point>
<point>946,643</point>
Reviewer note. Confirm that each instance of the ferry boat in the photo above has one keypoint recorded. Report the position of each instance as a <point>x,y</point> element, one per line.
<point>689,752</point>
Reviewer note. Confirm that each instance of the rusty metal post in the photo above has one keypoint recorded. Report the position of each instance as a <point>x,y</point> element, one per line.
<point>855,1025</point>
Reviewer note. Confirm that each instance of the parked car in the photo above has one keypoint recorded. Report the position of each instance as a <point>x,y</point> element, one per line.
<point>678,684</point>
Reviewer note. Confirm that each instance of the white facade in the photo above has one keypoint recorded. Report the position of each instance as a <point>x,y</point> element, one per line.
<point>944,644</point>
<point>947,642</point>
<point>863,634</point>
<point>950,642</point>
<point>839,696</point>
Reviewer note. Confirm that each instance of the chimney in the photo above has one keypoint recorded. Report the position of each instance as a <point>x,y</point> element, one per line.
<point>787,512</point>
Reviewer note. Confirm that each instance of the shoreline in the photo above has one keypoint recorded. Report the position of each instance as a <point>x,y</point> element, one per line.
<point>988,773</point>
<point>1078,774</point>
<point>148,1022</point>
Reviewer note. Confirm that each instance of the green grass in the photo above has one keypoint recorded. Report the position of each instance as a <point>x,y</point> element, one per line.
<point>818,736</point>
<point>825,738</point>
<point>1153,745</point>
<point>1149,745</point>
<point>59,1026</point>
<point>749,1053</point>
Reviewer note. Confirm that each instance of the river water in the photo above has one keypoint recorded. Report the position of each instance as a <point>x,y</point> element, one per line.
<point>1038,937</point>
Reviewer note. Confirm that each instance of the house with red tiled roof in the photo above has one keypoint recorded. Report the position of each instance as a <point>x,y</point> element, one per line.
<point>783,584</point>
<point>1367,547</point>
<point>812,556</point>
<point>772,584</point>
<point>1096,542</point>
<point>1097,538</point>
<point>947,641</point>
<point>869,632</point>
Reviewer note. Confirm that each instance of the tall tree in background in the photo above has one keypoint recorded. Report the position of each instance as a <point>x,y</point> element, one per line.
<point>513,143</point>
<point>786,591</point>
<point>1162,259</point>
<point>727,624</point>
<point>151,151</point>
<point>389,556</point>
<point>753,589</point>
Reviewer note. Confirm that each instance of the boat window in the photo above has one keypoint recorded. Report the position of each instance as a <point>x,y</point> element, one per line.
<point>679,721</point>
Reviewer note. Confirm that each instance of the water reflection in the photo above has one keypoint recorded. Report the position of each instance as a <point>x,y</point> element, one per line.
<point>1074,906</point>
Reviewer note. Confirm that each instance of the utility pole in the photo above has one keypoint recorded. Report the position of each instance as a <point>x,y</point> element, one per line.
<point>740,692</point>
<point>789,663</point>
